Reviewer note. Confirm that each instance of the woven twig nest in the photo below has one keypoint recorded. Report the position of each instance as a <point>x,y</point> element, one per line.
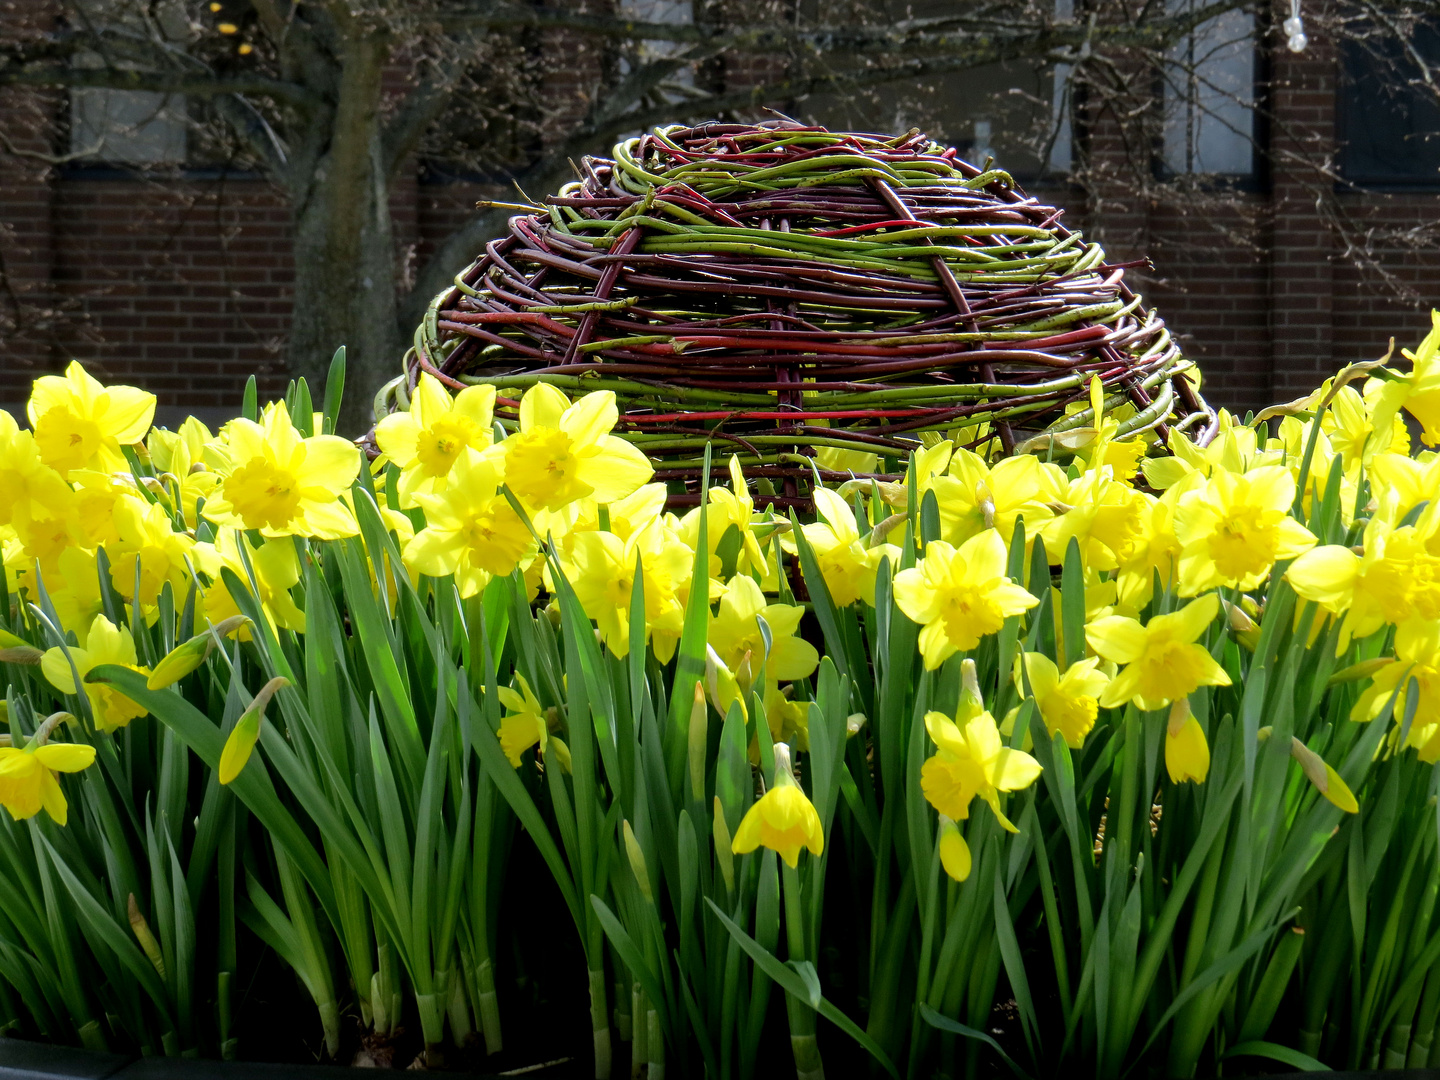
<point>780,289</point>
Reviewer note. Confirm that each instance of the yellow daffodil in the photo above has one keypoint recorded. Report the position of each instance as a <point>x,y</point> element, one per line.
<point>277,571</point>
<point>972,761</point>
<point>789,721</point>
<point>44,537</point>
<point>783,819</point>
<point>1163,661</point>
<point>1395,579</point>
<point>625,517</point>
<point>149,544</point>
<point>973,496</point>
<point>847,564</point>
<point>75,591</point>
<point>602,572</point>
<point>1349,424</point>
<point>959,595</point>
<point>80,424</point>
<point>283,484</point>
<point>525,725</point>
<point>735,631</point>
<point>27,777</point>
<point>105,643</point>
<point>1187,754</point>
<point>1067,702</point>
<point>1418,391</point>
<point>1417,658</point>
<point>1106,449</point>
<point>179,457</point>
<point>565,452</point>
<point>726,510</point>
<point>1232,530</point>
<point>473,532</point>
<point>838,459</point>
<point>27,485</point>
<point>426,440</point>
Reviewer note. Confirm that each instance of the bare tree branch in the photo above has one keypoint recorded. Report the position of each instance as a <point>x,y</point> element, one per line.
<point>110,78</point>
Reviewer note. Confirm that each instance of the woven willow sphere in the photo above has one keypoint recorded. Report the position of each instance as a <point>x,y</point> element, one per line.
<point>813,301</point>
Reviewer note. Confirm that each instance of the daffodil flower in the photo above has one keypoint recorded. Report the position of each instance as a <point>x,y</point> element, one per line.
<point>524,725</point>
<point>783,819</point>
<point>148,542</point>
<point>1067,702</point>
<point>283,484</point>
<point>602,572</point>
<point>723,511</point>
<point>973,496</point>
<point>959,595</point>
<point>426,440</point>
<point>473,532</point>
<point>105,643</point>
<point>1163,661</point>
<point>848,565</point>
<point>972,761</point>
<point>735,631</point>
<point>565,452</point>
<point>1232,530</point>
<point>28,486</point>
<point>1417,391</point>
<point>277,571</point>
<point>1396,578</point>
<point>79,423</point>
<point>27,777</point>
<point>180,455</point>
<point>1416,665</point>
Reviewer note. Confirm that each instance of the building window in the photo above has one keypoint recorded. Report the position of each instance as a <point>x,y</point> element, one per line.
<point>1209,96</point>
<point>128,127</point>
<point>1389,119</point>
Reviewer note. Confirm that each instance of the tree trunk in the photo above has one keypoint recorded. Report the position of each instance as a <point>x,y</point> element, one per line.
<point>345,250</point>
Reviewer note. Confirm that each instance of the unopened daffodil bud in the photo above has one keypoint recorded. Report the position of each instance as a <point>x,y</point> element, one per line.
<point>189,655</point>
<point>1326,780</point>
<point>145,936</point>
<point>557,751</point>
<point>783,819</point>
<point>721,685</point>
<point>853,723</point>
<point>246,732</point>
<point>1187,754</point>
<point>1363,670</point>
<point>637,861</point>
<point>1245,629</point>
<point>698,738</point>
<point>954,852</point>
<point>22,654</point>
<point>972,702</point>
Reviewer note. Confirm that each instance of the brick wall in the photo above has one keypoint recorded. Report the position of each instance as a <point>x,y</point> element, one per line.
<point>184,287</point>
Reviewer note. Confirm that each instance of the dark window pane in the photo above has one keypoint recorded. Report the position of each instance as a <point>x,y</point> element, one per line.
<point>1389,121</point>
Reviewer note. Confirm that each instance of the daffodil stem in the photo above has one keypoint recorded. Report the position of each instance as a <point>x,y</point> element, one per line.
<point>803,1044</point>
<point>487,1004</point>
<point>600,1023</point>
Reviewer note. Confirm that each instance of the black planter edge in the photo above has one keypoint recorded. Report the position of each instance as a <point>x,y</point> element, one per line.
<point>21,1059</point>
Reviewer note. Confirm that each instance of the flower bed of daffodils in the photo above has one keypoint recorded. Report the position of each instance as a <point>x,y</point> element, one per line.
<point>1116,761</point>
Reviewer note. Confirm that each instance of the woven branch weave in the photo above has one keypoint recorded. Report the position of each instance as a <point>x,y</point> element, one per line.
<point>778,288</point>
